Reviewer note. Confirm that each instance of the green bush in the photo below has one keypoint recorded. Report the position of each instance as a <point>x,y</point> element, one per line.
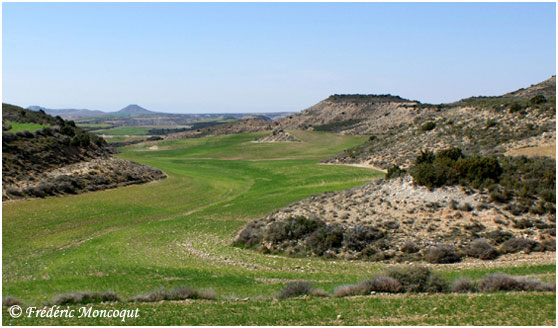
<point>395,172</point>
<point>515,107</point>
<point>428,126</point>
<point>538,99</point>
<point>449,167</point>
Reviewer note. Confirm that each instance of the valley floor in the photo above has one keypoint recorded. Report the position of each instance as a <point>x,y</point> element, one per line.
<point>178,232</point>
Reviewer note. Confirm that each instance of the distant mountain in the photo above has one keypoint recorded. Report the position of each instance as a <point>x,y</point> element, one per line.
<point>134,109</point>
<point>69,112</point>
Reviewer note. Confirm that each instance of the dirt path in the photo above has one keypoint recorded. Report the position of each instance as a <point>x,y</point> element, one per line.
<point>366,166</point>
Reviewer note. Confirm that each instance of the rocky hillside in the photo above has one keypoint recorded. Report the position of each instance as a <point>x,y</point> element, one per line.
<point>449,207</point>
<point>478,125</point>
<point>278,135</point>
<point>242,126</point>
<point>57,157</point>
<point>355,114</point>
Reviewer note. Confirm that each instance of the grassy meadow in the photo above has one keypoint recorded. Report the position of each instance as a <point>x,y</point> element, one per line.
<point>178,232</point>
<point>31,127</point>
<point>125,130</point>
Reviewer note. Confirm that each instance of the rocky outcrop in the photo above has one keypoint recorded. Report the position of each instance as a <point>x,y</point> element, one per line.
<point>242,126</point>
<point>278,135</point>
<point>384,219</point>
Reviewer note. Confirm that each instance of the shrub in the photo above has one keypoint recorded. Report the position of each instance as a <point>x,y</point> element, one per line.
<point>515,107</point>
<point>300,288</point>
<point>453,154</point>
<point>538,99</point>
<point>8,137</point>
<point>360,237</point>
<point>442,254</point>
<point>523,224</point>
<point>176,294</point>
<point>409,247</point>
<point>414,278</point>
<point>425,157</point>
<point>514,245</point>
<point>11,301</point>
<point>325,238</point>
<point>292,228</point>
<point>395,172</point>
<point>347,290</point>
<point>479,168</point>
<point>504,282</point>
<point>382,284</point>
<point>436,284</point>
<point>481,249</point>
<point>251,235</point>
<point>85,298</point>
<point>463,285</point>
<point>48,131</point>
<point>498,236</point>
<point>67,130</point>
<point>428,126</point>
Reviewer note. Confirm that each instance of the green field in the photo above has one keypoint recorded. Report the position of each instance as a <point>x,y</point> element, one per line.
<point>125,130</point>
<point>178,231</point>
<point>113,139</point>
<point>31,127</point>
<point>94,125</point>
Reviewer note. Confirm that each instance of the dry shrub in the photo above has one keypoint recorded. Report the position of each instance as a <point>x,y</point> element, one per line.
<point>299,288</point>
<point>504,282</point>
<point>413,278</point>
<point>463,285</point>
<point>85,298</point>
<point>409,247</point>
<point>481,249</point>
<point>442,254</point>
<point>436,284</point>
<point>180,293</point>
<point>347,290</point>
<point>10,301</point>
<point>514,245</point>
<point>381,284</point>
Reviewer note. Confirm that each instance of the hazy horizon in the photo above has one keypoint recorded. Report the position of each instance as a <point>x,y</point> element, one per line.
<point>268,57</point>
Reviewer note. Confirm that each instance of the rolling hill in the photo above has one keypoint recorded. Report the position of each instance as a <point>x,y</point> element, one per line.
<point>54,157</point>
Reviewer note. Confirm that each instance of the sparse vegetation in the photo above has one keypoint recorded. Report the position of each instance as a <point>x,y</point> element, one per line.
<point>175,294</point>
<point>300,288</point>
<point>428,126</point>
<point>514,245</point>
<point>336,126</point>
<point>504,282</point>
<point>11,301</point>
<point>442,254</point>
<point>483,250</point>
<point>85,298</point>
<point>186,222</point>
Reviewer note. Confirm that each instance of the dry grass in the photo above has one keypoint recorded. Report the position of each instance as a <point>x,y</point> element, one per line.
<point>85,298</point>
<point>300,288</point>
<point>504,282</point>
<point>10,301</point>
<point>180,293</point>
<point>545,150</point>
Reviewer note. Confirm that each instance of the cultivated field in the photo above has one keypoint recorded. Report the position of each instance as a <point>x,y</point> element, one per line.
<point>178,232</point>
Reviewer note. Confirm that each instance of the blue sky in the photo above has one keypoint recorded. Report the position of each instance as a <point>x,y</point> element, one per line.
<point>215,57</point>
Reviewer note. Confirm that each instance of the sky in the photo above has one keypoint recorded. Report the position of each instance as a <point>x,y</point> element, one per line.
<point>266,57</point>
